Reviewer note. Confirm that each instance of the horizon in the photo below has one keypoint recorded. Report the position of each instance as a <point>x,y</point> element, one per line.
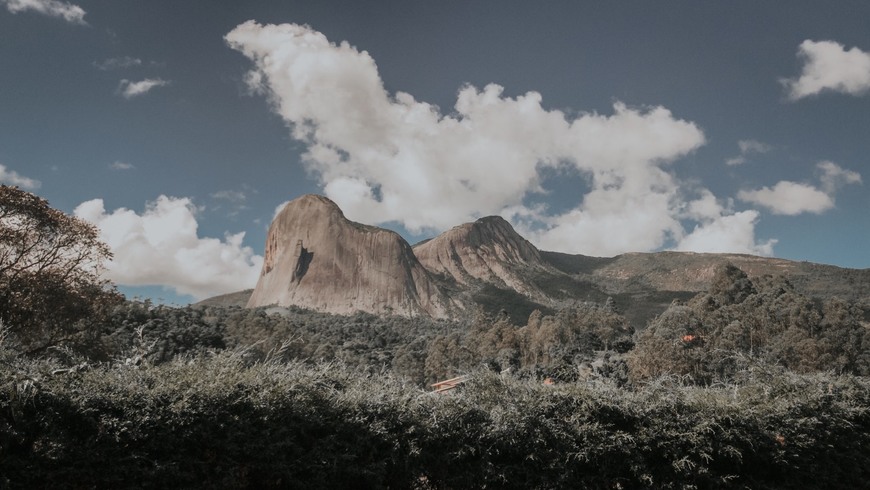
<point>598,130</point>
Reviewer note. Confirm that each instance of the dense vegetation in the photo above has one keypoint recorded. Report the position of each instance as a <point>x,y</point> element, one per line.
<point>748,385</point>
<point>222,421</point>
<point>709,338</point>
<point>769,392</point>
<point>766,320</point>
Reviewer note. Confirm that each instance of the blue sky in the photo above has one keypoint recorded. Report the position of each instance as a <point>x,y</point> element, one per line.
<point>594,127</point>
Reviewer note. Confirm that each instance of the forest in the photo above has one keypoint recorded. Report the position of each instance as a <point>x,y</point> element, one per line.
<point>747,385</point>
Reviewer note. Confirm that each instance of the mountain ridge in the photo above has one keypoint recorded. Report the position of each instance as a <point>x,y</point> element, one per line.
<point>486,251</point>
<point>316,258</point>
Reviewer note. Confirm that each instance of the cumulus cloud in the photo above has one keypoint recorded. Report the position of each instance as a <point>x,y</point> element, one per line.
<point>793,198</point>
<point>733,233</point>
<point>747,148</point>
<point>129,89</point>
<point>789,198</point>
<point>53,8</point>
<point>828,66</point>
<point>391,158</point>
<point>11,177</point>
<point>161,246</point>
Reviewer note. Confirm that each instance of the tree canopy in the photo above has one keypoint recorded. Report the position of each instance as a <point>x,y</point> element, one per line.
<point>50,265</point>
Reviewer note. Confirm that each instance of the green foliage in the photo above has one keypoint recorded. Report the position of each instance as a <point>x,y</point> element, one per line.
<point>514,305</point>
<point>766,319</point>
<point>221,421</point>
<point>419,349</point>
<point>703,338</point>
<point>749,385</point>
<point>50,264</point>
<point>142,332</point>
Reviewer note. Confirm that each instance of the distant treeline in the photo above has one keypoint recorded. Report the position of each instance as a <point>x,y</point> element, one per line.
<point>707,338</point>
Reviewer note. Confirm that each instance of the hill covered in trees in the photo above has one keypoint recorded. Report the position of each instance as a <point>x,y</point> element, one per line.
<point>750,383</point>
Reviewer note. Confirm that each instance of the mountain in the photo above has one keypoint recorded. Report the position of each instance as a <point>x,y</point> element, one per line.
<point>488,251</point>
<point>692,272</point>
<point>318,259</point>
<point>237,299</point>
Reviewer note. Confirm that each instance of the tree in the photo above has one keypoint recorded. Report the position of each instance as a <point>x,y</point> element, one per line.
<point>51,292</point>
<point>730,285</point>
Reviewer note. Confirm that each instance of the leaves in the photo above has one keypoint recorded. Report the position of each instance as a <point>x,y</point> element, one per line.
<point>221,421</point>
<point>50,265</point>
<point>766,319</point>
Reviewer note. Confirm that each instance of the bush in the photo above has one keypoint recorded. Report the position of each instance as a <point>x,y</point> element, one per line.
<point>220,421</point>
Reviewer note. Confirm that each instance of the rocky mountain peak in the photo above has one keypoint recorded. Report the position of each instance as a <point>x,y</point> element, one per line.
<point>317,258</point>
<point>496,233</point>
<point>488,250</point>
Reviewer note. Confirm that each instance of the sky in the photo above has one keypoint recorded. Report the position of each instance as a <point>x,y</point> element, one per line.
<point>595,128</point>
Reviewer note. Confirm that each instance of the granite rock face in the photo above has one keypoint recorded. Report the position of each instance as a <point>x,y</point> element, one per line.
<point>316,258</point>
<point>488,251</point>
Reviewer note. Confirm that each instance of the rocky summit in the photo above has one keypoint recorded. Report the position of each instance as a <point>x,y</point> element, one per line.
<point>316,258</point>
<point>487,251</point>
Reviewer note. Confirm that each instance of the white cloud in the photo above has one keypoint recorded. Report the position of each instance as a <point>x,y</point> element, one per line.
<point>748,147</point>
<point>161,247</point>
<point>789,198</point>
<point>11,177</point>
<point>833,176</point>
<point>828,66</point>
<point>390,158</point>
<point>129,89</point>
<point>53,8</point>
<point>122,166</point>
<point>728,233</point>
<point>704,208</point>
<point>793,198</point>
<point>117,63</point>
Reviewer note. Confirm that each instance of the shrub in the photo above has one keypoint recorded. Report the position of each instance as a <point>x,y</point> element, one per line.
<point>221,421</point>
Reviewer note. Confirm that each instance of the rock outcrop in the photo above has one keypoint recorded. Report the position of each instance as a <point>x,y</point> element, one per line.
<point>316,258</point>
<point>488,250</point>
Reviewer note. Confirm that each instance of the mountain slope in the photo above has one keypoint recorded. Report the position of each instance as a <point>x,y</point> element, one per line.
<point>486,252</point>
<point>692,272</point>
